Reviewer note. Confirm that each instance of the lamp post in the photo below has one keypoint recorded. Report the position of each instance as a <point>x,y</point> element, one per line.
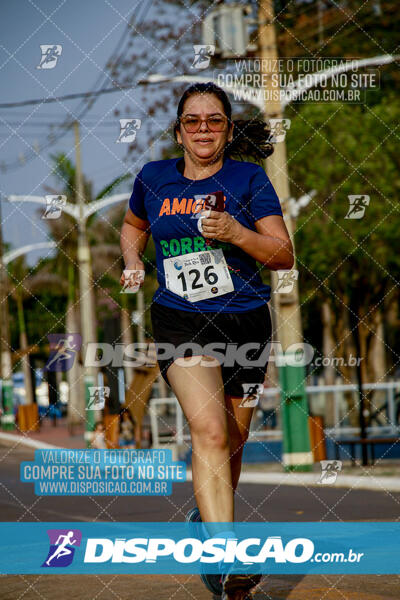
<point>85,285</point>
<point>26,367</point>
<point>7,418</point>
<point>80,212</point>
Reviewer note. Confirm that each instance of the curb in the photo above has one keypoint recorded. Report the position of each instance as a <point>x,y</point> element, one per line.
<point>379,484</point>
<point>343,481</point>
<point>25,441</point>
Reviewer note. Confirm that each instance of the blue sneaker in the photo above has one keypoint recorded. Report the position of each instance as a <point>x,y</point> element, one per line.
<point>212,581</point>
<point>238,585</point>
<point>193,516</point>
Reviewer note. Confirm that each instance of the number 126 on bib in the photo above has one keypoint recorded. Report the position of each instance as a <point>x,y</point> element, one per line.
<point>198,275</point>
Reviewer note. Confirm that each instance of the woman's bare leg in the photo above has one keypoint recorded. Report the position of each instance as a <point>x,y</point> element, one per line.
<point>239,419</point>
<point>200,392</point>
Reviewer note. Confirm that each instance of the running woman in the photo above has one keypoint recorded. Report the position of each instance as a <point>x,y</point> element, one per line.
<point>210,291</point>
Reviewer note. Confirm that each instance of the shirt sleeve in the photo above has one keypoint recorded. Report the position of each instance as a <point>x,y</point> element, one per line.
<point>136,201</point>
<point>264,200</point>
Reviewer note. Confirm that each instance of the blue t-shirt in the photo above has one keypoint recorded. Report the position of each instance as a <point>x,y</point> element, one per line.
<point>165,198</point>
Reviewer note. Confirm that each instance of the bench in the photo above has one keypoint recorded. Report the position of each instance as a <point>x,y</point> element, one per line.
<point>371,442</point>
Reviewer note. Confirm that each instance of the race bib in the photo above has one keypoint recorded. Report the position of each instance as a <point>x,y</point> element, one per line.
<point>198,275</point>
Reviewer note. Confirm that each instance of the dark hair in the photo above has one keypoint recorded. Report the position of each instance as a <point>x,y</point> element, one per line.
<point>251,137</point>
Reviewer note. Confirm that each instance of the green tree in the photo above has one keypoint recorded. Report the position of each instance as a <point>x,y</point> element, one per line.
<point>342,150</point>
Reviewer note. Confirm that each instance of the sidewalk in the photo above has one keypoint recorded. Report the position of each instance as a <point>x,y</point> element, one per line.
<point>54,436</point>
<point>367,479</point>
<point>384,476</point>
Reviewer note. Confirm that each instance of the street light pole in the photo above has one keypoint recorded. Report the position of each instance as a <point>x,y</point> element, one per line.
<point>296,454</point>
<point>7,418</point>
<point>85,286</point>
<point>7,258</point>
<point>79,212</point>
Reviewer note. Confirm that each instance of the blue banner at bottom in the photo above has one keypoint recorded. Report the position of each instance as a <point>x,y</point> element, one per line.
<point>173,548</point>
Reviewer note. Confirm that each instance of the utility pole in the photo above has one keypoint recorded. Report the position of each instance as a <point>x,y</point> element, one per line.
<point>297,454</point>
<point>140,304</point>
<point>7,418</point>
<point>85,285</point>
<point>23,344</point>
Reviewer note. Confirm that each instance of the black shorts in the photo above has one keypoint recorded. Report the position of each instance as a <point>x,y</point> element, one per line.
<point>175,326</point>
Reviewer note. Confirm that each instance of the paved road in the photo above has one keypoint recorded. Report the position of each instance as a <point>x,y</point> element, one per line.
<point>254,503</point>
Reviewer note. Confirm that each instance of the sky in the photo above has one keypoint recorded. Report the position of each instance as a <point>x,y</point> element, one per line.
<point>88,33</point>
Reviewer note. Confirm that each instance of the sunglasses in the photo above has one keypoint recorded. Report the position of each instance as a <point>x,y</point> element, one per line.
<point>192,124</point>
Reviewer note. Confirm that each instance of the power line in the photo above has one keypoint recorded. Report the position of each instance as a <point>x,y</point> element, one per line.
<point>131,25</point>
<point>57,124</point>
<point>92,95</point>
<point>85,95</point>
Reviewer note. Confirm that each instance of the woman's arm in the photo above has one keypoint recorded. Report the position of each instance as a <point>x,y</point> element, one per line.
<point>270,244</point>
<point>135,233</point>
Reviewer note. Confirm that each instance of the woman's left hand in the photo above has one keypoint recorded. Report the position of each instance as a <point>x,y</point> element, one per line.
<point>221,226</point>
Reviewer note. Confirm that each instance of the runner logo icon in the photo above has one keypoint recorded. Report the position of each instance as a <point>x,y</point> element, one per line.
<point>128,129</point>
<point>62,547</point>
<point>279,127</point>
<point>251,394</point>
<point>286,281</point>
<point>97,397</point>
<point>50,55</point>
<point>357,206</point>
<point>330,470</point>
<point>63,348</point>
<point>202,56</point>
<point>54,206</point>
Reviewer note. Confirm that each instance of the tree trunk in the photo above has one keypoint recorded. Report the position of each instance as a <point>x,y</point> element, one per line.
<point>345,348</point>
<point>23,343</point>
<point>364,333</point>
<point>377,352</point>
<point>328,350</point>
<point>360,336</point>
<point>392,324</point>
<point>377,366</point>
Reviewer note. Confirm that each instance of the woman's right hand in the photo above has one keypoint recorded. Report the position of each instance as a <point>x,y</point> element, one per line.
<point>136,265</point>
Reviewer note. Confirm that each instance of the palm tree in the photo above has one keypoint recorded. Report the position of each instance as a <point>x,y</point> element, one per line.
<point>18,272</point>
<point>103,238</point>
<point>25,284</point>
